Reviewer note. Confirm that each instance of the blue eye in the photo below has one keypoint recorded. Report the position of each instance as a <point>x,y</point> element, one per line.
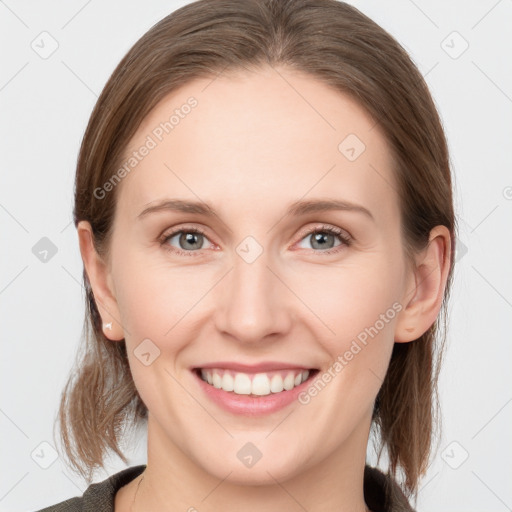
<point>322,238</point>
<point>189,241</point>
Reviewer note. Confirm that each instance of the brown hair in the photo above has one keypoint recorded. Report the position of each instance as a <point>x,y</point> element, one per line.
<point>332,42</point>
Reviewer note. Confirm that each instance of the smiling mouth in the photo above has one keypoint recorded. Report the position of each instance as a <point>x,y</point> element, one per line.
<point>255,384</point>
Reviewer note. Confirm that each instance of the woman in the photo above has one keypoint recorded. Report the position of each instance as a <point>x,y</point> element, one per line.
<point>264,209</point>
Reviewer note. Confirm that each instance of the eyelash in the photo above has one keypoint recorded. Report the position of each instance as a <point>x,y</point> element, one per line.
<point>344,238</point>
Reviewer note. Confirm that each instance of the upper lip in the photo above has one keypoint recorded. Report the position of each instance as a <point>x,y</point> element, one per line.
<point>265,366</point>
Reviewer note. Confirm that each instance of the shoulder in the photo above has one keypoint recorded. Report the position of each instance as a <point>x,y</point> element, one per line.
<point>98,496</point>
<point>382,493</point>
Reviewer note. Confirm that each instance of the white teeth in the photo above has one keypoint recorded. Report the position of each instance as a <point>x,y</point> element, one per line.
<point>289,381</point>
<point>228,383</point>
<point>276,384</point>
<point>242,385</point>
<point>261,384</point>
<point>217,380</point>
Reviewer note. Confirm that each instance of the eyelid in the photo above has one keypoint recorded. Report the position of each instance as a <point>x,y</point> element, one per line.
<point>345,237</point>
<point>320,227</point>
<point>172,232</point>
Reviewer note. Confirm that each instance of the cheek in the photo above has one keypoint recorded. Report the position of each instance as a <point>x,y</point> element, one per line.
<point>358,309</point>
<point>155,304</point>
<point>349,299</point>
<point>153,297</point>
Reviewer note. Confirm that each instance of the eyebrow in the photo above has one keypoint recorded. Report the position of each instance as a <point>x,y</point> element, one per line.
<point>296,209</point>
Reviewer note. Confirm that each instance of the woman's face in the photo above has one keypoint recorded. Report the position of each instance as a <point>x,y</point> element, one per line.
<point>256,292</point>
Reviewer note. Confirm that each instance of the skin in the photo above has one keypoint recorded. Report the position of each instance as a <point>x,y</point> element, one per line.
<point>256,142</point>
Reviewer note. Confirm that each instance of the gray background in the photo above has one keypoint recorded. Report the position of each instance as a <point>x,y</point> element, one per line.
<point>45,103</point>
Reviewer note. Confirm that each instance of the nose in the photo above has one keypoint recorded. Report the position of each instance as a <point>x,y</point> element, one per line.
<point>253,303</point>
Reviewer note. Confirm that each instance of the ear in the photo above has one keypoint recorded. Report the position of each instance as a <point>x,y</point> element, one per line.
<point>101,283</point>
<point>424,294</point>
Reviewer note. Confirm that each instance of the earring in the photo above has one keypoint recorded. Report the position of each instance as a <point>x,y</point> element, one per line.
<point>108,326</point>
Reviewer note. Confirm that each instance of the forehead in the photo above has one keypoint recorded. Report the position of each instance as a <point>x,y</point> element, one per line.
<point>266,137</point>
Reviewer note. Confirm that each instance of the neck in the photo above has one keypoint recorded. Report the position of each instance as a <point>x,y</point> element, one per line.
<point>173,481</point>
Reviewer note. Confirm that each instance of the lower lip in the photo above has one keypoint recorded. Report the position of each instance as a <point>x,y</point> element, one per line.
<point>247,405</point>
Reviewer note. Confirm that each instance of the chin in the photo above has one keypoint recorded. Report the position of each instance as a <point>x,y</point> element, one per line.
<point>267,465</point>
<point>259,475</point>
